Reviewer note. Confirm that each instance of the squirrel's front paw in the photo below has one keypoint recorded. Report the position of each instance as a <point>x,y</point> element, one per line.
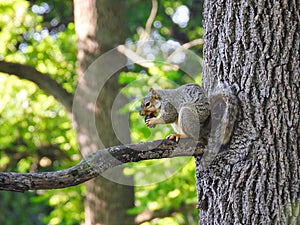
<point>176,136</point>
<point>150,121</point>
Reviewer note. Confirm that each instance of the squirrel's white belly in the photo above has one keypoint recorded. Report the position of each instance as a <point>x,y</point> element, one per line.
<point>177,128</point>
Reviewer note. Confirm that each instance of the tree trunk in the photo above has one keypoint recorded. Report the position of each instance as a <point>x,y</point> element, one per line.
<point>100,26</point>
<point>254,47</point>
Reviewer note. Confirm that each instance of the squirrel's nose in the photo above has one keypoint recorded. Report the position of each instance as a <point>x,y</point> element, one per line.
<point>141,113</point>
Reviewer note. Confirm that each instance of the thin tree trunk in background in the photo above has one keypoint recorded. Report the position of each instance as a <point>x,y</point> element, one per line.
<point>100,26</point>
<point>254,47</point>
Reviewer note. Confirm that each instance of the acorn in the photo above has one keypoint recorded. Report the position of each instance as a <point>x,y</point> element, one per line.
<point>148,117</point>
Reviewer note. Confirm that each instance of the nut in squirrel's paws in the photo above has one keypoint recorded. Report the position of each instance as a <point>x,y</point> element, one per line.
<point>147,121</point>
<point>176,136</point>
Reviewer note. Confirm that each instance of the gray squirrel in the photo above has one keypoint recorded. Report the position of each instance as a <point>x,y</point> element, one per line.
<point>191,113</point>
<point>185,108</point>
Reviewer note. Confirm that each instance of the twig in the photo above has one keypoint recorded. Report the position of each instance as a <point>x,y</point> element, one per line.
<point>145,33</point>
<point>151,17</point>
<point>185,46</point>
<point>193,43</point>
<point>135,57</point>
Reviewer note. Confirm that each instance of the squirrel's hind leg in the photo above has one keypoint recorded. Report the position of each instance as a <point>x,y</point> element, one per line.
<point>192,119</point>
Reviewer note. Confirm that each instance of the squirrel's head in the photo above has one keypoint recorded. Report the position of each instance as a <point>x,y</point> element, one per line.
<point>151,104</point>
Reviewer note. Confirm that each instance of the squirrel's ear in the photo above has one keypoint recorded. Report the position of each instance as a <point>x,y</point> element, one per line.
<point>153,93</point>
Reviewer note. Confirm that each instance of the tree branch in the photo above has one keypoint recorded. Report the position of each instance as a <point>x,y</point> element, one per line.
<point>98,162</point>
<point>44,81</point>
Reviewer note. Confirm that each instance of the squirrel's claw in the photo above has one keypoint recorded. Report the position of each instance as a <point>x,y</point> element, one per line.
<point>176,136</point>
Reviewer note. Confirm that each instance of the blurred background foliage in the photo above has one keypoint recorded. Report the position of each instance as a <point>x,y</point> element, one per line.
<point>36,132</point>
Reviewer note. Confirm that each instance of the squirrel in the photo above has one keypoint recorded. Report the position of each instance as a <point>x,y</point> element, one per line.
<point>185,108</point>
<point>192,114</point>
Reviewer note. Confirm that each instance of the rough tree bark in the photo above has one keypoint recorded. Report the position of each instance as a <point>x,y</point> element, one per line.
<point>254,47</point>
<point>100,26</point>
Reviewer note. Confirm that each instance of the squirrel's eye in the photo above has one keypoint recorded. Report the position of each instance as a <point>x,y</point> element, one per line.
<point>147,104</point>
